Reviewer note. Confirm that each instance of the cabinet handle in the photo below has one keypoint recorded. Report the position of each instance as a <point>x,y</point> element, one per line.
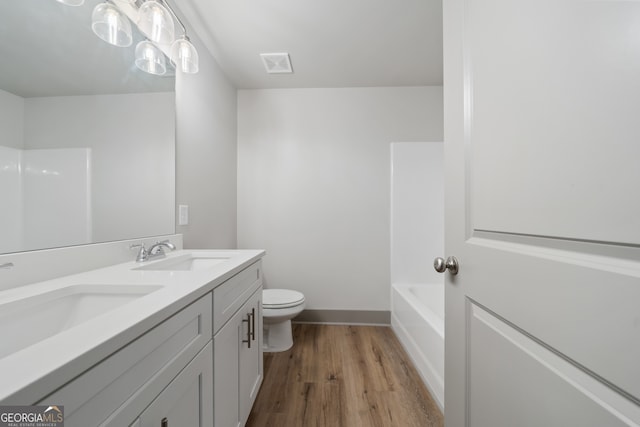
<point>164,422</point>
<point>253,324</point>
<point>248,320</point>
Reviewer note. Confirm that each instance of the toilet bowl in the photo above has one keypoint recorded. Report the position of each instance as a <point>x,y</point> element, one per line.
<point>279,306</point>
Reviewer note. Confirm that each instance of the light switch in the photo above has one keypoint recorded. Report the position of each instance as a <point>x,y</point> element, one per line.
<point>183,214</point>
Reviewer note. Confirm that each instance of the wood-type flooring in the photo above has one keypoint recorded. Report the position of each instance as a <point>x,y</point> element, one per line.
<point>343,376</point>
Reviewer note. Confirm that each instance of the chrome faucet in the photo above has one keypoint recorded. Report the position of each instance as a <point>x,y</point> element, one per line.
<point>155,251</point>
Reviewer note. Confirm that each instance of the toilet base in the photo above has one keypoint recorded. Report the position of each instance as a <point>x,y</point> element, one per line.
<point>277,337</point>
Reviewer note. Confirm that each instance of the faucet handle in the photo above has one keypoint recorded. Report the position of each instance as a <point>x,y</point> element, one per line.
<point>142,253</point>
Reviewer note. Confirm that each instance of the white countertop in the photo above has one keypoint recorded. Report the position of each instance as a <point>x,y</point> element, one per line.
<point>28,374</point>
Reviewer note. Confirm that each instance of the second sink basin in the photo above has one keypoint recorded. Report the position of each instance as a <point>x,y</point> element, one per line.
<point>189,262</point>
<point>26,321</point>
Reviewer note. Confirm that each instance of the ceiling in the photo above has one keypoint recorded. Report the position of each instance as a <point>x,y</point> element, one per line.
<point>332,43</point>
<point>49,49</point>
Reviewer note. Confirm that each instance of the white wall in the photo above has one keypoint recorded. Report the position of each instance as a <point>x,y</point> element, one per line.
<point>136,143</point>
<point>206,154</point>
<point>314,185</point>
<point>417,211</point>
<point>11,120</point>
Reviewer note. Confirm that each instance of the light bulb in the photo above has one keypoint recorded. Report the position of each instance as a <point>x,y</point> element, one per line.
<point>150,59</point>
<point>108,23</point>
<point>184,55</point>
<point>156,22</point>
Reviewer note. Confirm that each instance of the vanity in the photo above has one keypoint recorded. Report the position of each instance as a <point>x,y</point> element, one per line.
<point>170,342</point>
<point>89,169</point>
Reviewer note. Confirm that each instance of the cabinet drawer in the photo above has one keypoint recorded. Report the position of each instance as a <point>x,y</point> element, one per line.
<point>138,372</point>
<point>232,294</point>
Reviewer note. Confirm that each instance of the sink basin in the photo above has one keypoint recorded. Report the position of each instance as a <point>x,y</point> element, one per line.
<point>30,320</point>
<point>190,262</point>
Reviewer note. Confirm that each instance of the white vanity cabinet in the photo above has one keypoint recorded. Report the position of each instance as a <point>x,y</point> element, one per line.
<point>150,369</point>
<point>237,341</point>
<point>200,366</point>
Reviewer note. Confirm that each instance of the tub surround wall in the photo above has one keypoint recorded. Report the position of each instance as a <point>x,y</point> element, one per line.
<point>56,198</point>
<point>417,211</point>
<point>12,194</point>
<point>313,173</point>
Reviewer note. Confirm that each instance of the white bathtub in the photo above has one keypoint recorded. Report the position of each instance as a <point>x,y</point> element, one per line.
<point>417,318</point>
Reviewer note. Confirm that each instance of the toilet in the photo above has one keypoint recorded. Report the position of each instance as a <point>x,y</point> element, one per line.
<point>279,306</point>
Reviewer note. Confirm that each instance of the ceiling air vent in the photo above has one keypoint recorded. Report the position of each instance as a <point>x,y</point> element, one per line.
<point>276,62</point>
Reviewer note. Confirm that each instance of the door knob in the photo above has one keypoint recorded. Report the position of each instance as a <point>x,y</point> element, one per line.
<point>451,264</point>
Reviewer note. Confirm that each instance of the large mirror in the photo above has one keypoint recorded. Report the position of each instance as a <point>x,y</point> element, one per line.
<point>87,141</point>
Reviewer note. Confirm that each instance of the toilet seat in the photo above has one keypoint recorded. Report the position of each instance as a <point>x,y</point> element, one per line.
<point>281,298</point>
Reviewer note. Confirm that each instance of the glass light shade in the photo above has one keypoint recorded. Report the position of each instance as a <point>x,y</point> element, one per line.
<point>150,59</point>
<point>156,22</point>
<point>72,2</point>
<point>184,55</point>
<point>111,25</point>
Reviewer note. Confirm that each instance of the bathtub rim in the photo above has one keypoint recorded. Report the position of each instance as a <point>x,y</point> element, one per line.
<point>430,375</point>
<point>433,319</point>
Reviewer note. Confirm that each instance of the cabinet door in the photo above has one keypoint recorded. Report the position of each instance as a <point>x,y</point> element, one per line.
<point>237,363</point>
<point>250,364</point>
<point>185,401</point>
<point>226,345</point>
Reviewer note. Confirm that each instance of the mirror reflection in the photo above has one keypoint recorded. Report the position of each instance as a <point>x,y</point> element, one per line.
<point>87,150</point>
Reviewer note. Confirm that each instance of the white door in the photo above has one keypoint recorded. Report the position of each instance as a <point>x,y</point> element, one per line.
<point>542,158</point>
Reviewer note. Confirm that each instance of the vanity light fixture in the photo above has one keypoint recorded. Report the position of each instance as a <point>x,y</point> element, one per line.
<point>156,22</point>
<point>183,53</point>
<point>155,19</point>
<point>111,25</point>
